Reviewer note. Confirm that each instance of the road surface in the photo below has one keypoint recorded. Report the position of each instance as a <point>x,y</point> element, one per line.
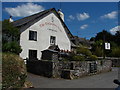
<point>103,80</point>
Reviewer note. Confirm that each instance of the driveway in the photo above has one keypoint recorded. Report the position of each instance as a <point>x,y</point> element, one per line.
<point>103,80</point>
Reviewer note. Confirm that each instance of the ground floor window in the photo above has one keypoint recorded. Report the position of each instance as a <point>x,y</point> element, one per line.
<point>32,54</point>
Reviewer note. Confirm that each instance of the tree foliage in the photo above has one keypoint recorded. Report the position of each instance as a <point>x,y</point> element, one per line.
<point>12,47</point>
<point>97,48</point>
<point>115,52</point>
<point>10,38</point>
<point>10,32</point>
<point>104,36</point>
<point>117,38</point>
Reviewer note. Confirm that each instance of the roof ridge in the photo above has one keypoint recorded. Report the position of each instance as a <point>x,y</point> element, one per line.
<point>36,14</point>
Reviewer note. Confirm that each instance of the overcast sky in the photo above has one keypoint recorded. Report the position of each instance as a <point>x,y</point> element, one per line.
<point>84,19</point>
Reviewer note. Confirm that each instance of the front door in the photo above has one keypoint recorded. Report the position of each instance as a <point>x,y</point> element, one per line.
<point>32,54</point>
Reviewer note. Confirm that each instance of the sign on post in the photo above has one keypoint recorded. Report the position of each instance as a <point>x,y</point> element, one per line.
<point>107,46</point>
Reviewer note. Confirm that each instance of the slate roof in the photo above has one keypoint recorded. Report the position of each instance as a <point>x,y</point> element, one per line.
<point>27,21</point>
<point>81,41</point>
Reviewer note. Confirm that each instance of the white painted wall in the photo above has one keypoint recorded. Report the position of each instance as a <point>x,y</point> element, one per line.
<point>43,36</point>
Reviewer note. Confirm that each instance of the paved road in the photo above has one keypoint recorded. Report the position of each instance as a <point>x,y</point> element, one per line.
<point>104,80</point>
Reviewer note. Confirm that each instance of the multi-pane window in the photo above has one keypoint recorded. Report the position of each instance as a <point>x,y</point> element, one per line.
<point>52,40</point>
<point>33,35</point>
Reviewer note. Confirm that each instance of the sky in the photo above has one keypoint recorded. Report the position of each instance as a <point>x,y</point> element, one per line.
<point>84,19</point>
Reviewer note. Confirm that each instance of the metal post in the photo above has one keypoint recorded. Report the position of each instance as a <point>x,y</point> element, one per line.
<point>103,45</point>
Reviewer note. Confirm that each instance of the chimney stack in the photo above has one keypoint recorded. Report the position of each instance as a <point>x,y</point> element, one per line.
<point>10,19</point>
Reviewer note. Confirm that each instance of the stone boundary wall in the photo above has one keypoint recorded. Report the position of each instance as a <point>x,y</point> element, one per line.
<point>116,62</point>
<point>76,69</point>
<point>43,68</point>
<point>68,69</point>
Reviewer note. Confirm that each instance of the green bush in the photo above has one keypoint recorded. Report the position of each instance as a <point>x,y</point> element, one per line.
<point>98,52</point>
<point>14,71</point>
<point>115,52</point>
<point>84,51</point>
<point>65,59</point>
<point>78,58</point>
<point>93,57</point>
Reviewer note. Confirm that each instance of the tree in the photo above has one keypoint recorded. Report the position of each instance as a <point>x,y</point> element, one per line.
<point>12,47</point>
<point>117,37</point>
<point>92,39</point>
<point>10,38</point>
<point>10,33</point>
<point>104,35</point>
<point>101,38</point>
<point>115,52</point>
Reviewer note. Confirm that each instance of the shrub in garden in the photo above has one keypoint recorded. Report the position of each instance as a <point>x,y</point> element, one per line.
<point>93,57</point>
<point>98,51</point>
<point>14,71</point>
<point>84,51</point>
<point>78,58</point>
<point>65,59</point>
<point>115,52</point>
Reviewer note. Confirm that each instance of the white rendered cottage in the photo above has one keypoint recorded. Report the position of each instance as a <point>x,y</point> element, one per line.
<point>40,31</point>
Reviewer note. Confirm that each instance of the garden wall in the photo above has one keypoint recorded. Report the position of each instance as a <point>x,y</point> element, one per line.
<point>39,67</point>
<point>116,62</point>
<point>76,69</point>
<point>68,69</point>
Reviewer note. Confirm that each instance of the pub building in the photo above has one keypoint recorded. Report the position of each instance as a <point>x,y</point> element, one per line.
<point>43,31</point>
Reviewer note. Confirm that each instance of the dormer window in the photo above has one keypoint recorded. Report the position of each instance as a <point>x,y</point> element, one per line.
<point>33,35</point>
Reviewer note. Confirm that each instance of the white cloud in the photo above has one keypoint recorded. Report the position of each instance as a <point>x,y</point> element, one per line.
<point>84,26</point>
<point>113,30</point>
<point>111,15</point>
<point>25,10</point>
<point>71,17</point>
<point>83,16</point>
